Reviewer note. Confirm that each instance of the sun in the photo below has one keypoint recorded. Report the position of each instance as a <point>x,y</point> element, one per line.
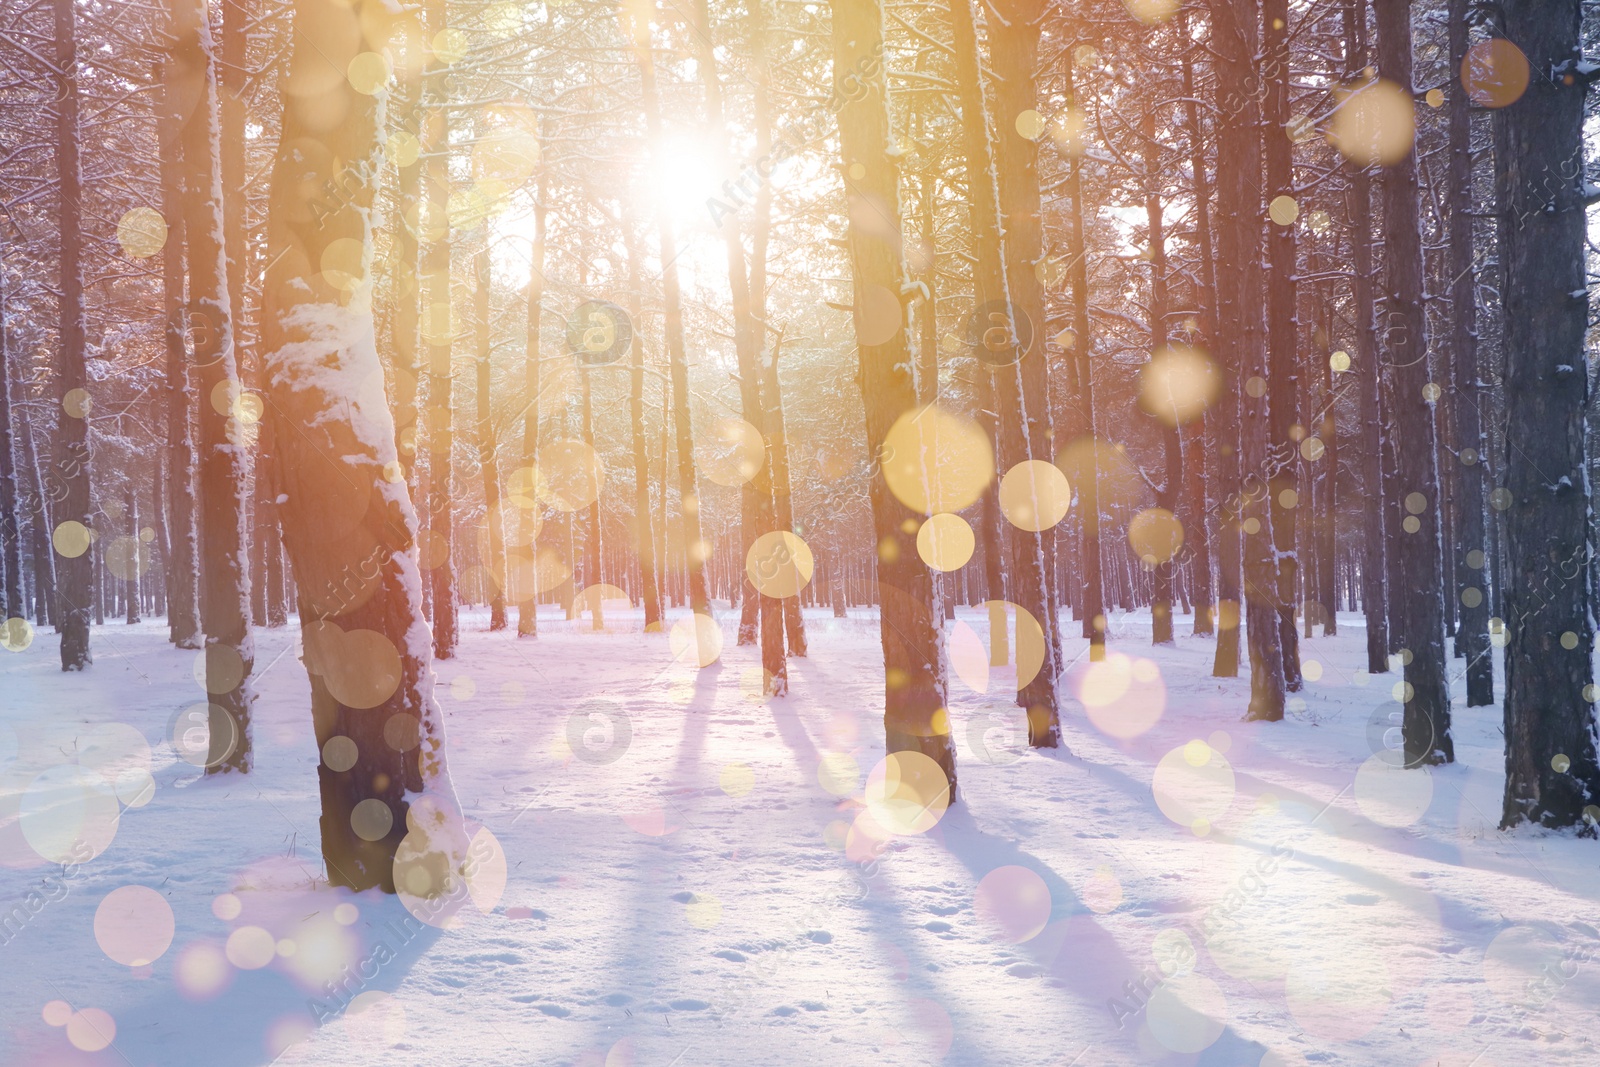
<point>682,173</point>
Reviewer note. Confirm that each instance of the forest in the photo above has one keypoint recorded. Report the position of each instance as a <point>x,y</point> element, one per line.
<point>1114,477</point>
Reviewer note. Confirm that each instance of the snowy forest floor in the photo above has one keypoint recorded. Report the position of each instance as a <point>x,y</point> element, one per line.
<point>685,891</point>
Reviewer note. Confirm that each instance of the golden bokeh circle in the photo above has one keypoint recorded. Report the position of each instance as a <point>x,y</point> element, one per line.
<point>945,542</point>
<point>1156,535</point>
<point>732,453</point>
<point>142,232</point>
<point>779,564</point>
<point>1034,495</point>
<point>936,460</point>
<point>1178,384</point>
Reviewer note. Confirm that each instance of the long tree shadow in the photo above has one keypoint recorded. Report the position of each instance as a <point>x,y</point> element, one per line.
<point>260,1012</point>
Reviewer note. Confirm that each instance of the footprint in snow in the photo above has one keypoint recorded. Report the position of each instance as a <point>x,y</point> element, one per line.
<point>730,955</point>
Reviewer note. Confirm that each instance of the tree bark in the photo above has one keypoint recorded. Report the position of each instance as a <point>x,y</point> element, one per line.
<point>1551,774</point>
<point>221,469</point>
<point>1418,608</point>
<point>643,523</point>
<point>672,298</point>
<point>1472,632</point>
<point>70,466</point>
<point>913,640</point>
<point>1283,375</point>
<point>439,333</point>
<point>11,603</point>
<point>1239,184</point>
<point>488,447</point>
<point>388,814</point>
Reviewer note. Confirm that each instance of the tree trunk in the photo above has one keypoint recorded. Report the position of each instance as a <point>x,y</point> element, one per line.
<point>224,574</point>
<point>526,551</point>
<point>913,640</point>
<point>70,467</point>
<point>1472,632</point>
<point>1002,363</point>
<point>1172,443</point>
<point>1093,615</point>
<point>349,526</point>
<point>1282,377</point>
<point>643,524</point>
<point>1549,720</point>
<point>1239,183</point>
<point>489,448</point>
<point>672,298</point>
<point>1426,724</point>
<point>439,333</point>
<point>783,504</point>
<point>11,604</point>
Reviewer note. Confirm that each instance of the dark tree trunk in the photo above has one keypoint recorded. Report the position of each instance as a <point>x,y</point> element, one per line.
<point>1551,776</point>
<point>526,552</point>
<point>11,604</point>
<point>783,504</point>
<point>913,640</point>
<point>438,332</point>
<point>1161,629</point>
<point>1420,606</point>
<point>1472,631</point>
<point>1239,185</point>
<point>1374,546</point>
<point>1282,377</point>
<point>643,521</point>
<point>69,481</point>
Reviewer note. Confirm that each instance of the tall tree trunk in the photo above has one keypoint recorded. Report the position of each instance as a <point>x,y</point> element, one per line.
<point>1283,487</point>
<point>70,466</point>
<point>1551,776</point>
<point>1472,633</point>
<point>1172,443</point>
<point>130,509</point>
<point>224,573</point>
<point>1239,183</point>
<point>913,640</point>
<point>672,298</point>
<point>1003,364</point>
<point>748,336</point>
<point>11,604</point>
<point>592,542</point>
<point>1079,351</point>
<point>46,608</point>
<point>439,333</point>
<point>527,549</point>
<point>643,523</point>
<point>349,527</point>
<point>1014,56</point>
<point>488,447</point>
<point>1374,547</point>
<point>783,503</point>
<point>1197,531</point>
<point>1426,723</point>
<point>183,596</point>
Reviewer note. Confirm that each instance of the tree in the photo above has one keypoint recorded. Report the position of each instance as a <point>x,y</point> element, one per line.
<point>915,718</point>
<point>388,813</point>
<point>1551,773</point>
<point>69,476</point>
<point>1417,607</point>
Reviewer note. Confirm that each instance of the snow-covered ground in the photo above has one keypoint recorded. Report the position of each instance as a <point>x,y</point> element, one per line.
<point>690,880</point>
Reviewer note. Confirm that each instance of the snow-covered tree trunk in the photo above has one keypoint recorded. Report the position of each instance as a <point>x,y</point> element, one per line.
<point>1551,776</point>
<point>221,467</point>
<point>643,521</point>
<point>1000,366</point>
<point>915,718</point>
<point>488,447</point>
<point>1417,605</point>
<point>10,529</point>
<point>69,476</point>
<point>1283,341</point>
<point>1198,446</point>
<point>389,816</point>
<point>794,626</point>
<point>183,596</point>
<point>527,548</point>
<point>439,333</point>
<point>1087,483</point>
<point>1235,35</point>
<point>1013,38</point>
<point>672,300</point>
<point>756,518</point>
<point>1161,628</point>
<point>1467,561</point>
